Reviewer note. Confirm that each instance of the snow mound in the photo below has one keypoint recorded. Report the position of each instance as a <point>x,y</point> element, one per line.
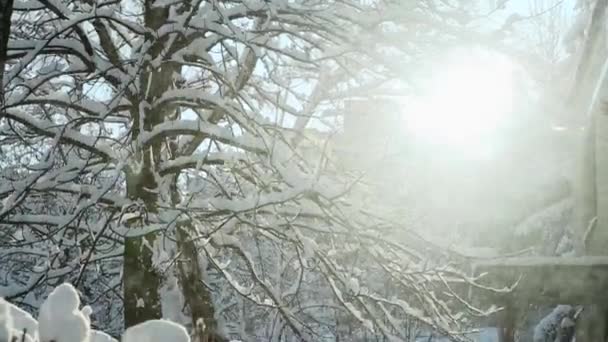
<point>6,322</point>
<point>23,321</point>
<point>99,336</point>
<point>62,320</point>
<point>16,323</point>
<point>61,310</point>
<point>156,331</point>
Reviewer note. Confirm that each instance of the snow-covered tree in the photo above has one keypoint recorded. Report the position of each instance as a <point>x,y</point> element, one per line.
<point>154,147</point>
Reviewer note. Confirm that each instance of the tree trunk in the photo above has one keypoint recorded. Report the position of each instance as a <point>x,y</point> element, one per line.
<point>197,295</point>
<point>142,282</point>
<point>507,326</point>
<point>589,196</point>
<point>592,199</point>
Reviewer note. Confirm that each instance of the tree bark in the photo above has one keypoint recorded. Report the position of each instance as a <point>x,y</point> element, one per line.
<point>142,282</point>
<point>197,295</point>
<point>507,326</point>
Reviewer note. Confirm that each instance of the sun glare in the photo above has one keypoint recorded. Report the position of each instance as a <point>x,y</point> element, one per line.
<point>464,102</point>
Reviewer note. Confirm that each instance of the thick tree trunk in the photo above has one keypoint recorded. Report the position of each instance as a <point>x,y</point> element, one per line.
<point>141,281</point>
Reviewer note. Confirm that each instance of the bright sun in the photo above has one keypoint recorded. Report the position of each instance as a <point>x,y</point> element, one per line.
<point>466,99</point>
